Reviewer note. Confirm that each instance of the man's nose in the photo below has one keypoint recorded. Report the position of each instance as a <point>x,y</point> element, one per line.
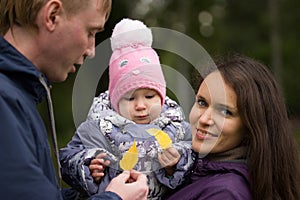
<point>90,52</point>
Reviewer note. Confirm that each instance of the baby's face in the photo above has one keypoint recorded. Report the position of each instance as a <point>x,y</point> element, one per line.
<point>141,106</point>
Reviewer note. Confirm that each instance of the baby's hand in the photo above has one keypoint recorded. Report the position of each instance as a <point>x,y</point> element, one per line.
<point>97,166</point>
<point>168,159</point>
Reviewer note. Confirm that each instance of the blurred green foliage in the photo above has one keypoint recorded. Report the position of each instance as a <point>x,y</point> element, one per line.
<point>220,26</point>
<point>298,136</point>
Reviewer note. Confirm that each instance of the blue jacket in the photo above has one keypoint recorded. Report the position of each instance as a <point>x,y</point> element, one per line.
<point>26,168</point>
<point>215,180</point>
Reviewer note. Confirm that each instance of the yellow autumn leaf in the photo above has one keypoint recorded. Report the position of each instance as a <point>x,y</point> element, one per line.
<point>130,158</point>
<point>162,137</point>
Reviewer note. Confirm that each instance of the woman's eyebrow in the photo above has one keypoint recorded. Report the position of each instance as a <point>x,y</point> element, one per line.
<point>229,107</point>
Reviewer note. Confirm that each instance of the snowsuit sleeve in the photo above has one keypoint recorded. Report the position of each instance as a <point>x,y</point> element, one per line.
<point>183,146</point>
<point>87,142</point>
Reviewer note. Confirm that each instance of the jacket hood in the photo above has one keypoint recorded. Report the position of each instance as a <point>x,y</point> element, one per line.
<point>21,70</point>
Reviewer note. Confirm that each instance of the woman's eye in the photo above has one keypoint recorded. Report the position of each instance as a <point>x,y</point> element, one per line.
<point>226,112</point>
<point>201,103</point>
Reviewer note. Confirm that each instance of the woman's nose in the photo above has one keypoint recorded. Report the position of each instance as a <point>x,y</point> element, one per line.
<point>205,117</point>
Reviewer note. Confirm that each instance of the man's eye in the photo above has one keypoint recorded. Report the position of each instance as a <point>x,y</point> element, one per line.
<point>92,34</point>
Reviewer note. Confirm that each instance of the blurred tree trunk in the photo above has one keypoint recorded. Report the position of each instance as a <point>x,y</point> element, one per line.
<point>276,59</point>
<point>181,88</point>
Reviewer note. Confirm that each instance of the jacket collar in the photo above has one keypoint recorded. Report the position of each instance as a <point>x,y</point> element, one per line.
<point>21,70</point>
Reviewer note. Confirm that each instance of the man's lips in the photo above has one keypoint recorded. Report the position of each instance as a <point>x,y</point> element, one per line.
<point>77,65</point>
<point>74,67</point>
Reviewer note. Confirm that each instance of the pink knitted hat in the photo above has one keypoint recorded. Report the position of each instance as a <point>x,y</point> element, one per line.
<point>133,64</point>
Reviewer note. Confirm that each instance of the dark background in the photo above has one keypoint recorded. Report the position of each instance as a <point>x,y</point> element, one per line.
<point>265,30</point>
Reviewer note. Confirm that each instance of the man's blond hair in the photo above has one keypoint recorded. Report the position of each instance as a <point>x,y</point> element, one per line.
<point>24,12</point>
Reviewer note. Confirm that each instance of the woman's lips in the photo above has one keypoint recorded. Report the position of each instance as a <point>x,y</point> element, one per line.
<point>204,135</point>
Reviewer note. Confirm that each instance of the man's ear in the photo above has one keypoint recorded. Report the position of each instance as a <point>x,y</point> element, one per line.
<point>53,12</point>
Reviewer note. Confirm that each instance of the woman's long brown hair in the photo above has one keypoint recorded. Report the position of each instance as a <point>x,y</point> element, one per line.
<point>272,155</point>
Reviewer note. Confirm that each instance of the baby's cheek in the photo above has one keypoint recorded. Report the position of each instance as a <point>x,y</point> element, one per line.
<point>155,111</point>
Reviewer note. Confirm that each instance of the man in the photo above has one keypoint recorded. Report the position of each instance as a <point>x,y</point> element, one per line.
<point>41,42</point>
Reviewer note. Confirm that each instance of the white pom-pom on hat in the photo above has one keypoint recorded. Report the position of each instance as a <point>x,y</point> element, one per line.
<point>139,34</point>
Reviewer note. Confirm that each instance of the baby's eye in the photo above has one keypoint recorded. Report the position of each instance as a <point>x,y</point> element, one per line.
<point>149,96</point>
<point>128,98</point>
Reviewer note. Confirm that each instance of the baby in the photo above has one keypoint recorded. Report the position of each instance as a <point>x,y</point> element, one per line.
<point>133,125</point>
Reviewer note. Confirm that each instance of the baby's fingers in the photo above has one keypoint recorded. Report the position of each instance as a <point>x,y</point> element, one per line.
<point>97,175</point>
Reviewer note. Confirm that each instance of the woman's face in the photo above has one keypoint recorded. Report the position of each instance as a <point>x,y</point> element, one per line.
<point>215,120</point>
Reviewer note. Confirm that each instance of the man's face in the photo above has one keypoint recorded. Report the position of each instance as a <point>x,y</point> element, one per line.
<point>72,40</point>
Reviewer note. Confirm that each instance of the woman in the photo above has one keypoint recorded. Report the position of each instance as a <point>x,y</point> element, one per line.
<point>243,145</point>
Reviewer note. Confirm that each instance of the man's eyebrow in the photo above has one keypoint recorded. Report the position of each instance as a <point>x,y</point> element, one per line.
<point>100,29</point>
<point>97,27</point>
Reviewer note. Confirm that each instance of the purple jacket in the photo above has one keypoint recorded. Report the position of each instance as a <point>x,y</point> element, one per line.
<point>214,181</point>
